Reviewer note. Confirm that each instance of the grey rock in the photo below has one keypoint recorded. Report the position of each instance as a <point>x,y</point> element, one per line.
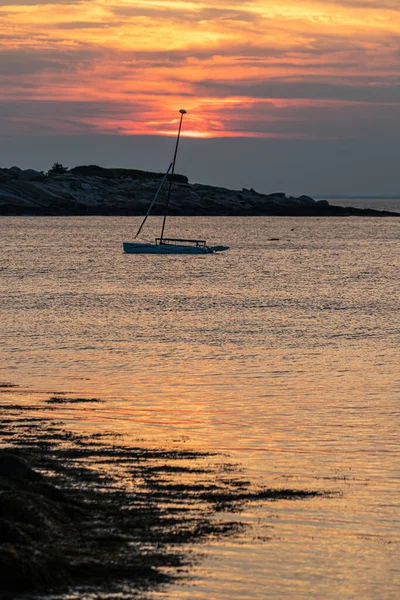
<point>277,195</point>
<point>306,199</point>
<point>30,175</point>
<point>100,191</point>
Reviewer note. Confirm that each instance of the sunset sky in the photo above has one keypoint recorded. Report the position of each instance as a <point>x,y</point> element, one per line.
<point>319,80</point>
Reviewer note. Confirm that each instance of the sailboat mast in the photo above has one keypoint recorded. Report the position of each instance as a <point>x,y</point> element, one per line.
<point>153,201</point>
<point>183,112</point>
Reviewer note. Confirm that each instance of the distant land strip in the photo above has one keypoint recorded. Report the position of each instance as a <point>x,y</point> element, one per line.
<point>94,190</point>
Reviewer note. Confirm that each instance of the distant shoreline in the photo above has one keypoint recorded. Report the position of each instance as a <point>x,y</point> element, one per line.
<point>96,191</point>
<point>352,197</point>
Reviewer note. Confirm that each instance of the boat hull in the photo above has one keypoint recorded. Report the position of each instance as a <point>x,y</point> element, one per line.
<point>142,248</point>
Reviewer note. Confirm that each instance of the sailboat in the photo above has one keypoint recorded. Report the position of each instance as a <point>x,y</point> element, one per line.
<point>167,245</point>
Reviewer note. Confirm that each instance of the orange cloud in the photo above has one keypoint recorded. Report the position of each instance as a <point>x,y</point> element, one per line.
<point>150,57</point>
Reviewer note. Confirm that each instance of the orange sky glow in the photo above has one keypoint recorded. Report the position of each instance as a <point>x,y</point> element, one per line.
<point>285,69</point>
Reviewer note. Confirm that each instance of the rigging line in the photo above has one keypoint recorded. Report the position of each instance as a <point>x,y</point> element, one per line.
<point>154,200</point>
<point>183,112</point>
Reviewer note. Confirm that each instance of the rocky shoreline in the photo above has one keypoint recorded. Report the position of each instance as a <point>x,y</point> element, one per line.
<point>94,190</point>
<point>86,515</point>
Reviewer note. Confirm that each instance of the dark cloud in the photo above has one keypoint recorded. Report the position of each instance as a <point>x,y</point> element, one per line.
<point>78,110</point>
<point>310,121</point>
<point>349,121</point>
<point>39,2</point>
<point>24,62</point>
<point>372,4</point>
<point>180,14</point>
<point>354,89</point>
<point>227,14</point>
<point>28,61</point>
<point>154,12</point>
<point>86,25</point>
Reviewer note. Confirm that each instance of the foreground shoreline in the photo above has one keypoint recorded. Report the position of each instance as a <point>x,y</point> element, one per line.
<point>96,191</point>
<point>82,511</point>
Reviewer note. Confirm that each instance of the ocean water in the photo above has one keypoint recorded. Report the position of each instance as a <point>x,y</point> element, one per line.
<point>282,353</point>
<point>392,204</point>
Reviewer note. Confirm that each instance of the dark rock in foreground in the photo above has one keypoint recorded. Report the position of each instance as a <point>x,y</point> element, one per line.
<point>82,513</point>
<point>94,190</point>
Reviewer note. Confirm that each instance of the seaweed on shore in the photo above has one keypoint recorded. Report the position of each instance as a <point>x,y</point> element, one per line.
<point>79,510</point>
<point>62,400</point>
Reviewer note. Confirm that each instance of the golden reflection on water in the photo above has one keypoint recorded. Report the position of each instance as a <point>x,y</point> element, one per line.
<point>284,355</point>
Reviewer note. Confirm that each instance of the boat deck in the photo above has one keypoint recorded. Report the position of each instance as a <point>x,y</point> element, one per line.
<point>179,241</point>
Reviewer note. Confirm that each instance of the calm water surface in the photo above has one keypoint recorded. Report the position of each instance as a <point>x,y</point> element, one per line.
<point>283,353</point>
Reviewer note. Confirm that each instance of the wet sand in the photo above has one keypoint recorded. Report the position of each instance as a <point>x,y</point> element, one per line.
<point>83,510</point>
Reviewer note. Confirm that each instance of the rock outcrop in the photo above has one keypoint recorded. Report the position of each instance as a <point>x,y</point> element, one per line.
<point>94,190</point>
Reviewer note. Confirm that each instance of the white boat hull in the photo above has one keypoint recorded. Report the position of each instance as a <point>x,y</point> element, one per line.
<point>143,248</point>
